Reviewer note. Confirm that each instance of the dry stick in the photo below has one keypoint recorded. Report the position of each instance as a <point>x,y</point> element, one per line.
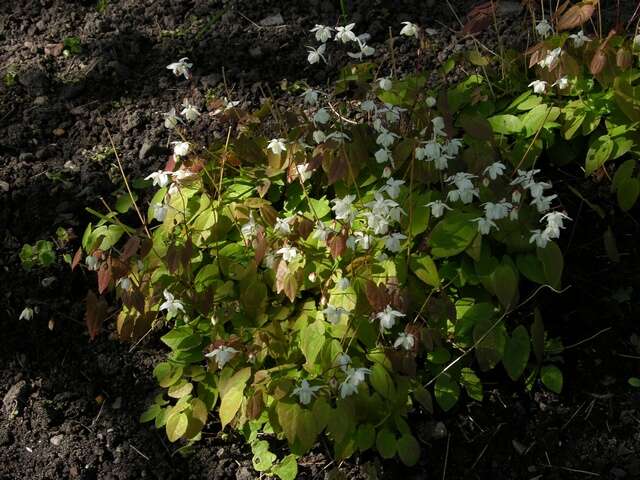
<point>486,334</point>
<point>446,458</point>
<point>126,183</point>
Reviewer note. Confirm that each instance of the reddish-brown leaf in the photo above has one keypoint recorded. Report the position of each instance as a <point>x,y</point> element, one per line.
<point>260,246</point>
<point>130,248</point>
<point>104,276</point>
<point>173,258</point>
<point>576,15</point>
<point>338,167</point>
<point>119,269</point>
<point>254,406</point>
<point>76,259</point>
<point>304,227</point>
<point>479,18</point>
<point>598,62</point>
<point>96,312</point>
<point>376,295</point>
<point>624,59</point>
<point>268,214</point>
<point>337,244</point>
<point>170,165</point>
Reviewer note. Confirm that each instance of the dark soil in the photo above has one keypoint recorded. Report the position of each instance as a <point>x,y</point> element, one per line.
<point>70,406</point>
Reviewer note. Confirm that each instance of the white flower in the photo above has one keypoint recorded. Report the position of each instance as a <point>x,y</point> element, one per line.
<point>514,214</point>
<point>181,67</point>
<point>338,136</point>
<point>282,226</point>
<point>430,102</point>
<point>437,208</point>
<point>26,314</point>
<point>342,207</point>
<point>276,145</point>
<point>495,170</point>
<point>170,119</point>
<point>441,162</point>
<point>222,355</point>
<point>343,361</point>
<point>561,83</point>
<point>160,211</point>
<point>409,29</point>
<point>392,187</point>
<point>537,188</point>
<point>226,105</point>
<point>484,225</point>
<point>368,106</point>
<point>453,147</point>
<point>319,136</point>
<point>323,33</point>
<point>124,283</point>
<point>392,112</point>
<point>392,242</point>
<point>160,178</point>
<point>386,138</point>
<point>359,238</point>
<point>385,83</point>
<point>343,283</point>
<point>288,253</point>
<point>92,262</point>
<point>171,305</point>
<point>249,229</point>
<point>383,155</point>
<point>333,314</point>
<point>516,196</point>
<point>321,116</point>
<point>404,340</point>
<point>345,34</point>
<point>555,222</point>
<point>189,111</point>
<point>551,59</point>
<point>365,50</point>
<point>354,378</point>
<point>310,96</point>
<point>316,54</point>
<point>579,39</point>
<point>305,392</point>
<point>539,237</point>
<point>180,149</point>
<point>377,223</point>
<point>321,232</point>
<point>386,172</point>
<point>543,203</point>
<point>304,172</point>
<point>543,28</point>
<point>388,317</point>
<point>539,86</point>
<point>438,127</point>
<point>497,211</point>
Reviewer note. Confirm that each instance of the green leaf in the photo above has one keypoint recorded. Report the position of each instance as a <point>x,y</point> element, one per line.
<point>471,383</point>
<point>453,234</point>
<point>535,119</point>
<point>477,59</point>
<point>623,172</point>
<point>423,396</point>
<point>180,389</point>
<point>287,469</point>
<point>529,265</point>
<point>552,378</point>
<point>552,263</point>
<point>151,413</point>
<point>176,426</point>
<point>125,202</point>
<point>634,382</point>
<point>231,393</point>
<point>425,269</point>
<point>627,193</point>
<point>474,315</point>
<point>490,342</point>
<point>382,382</point>
<point>262,459</point>
<point>386,443</point>
<point>312,340</point>
<point>505,283</point>
<point>365,436</point>
<point>599,152</point>
<point>408,450</point>
<point>506,124</point>
<point>516,353</point>
<point>447,392</point>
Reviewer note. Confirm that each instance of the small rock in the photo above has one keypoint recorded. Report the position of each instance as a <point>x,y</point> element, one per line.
<point>117,403</point>
<point>255,52</point>
<point>144,150</point>
<point>25,157</point>
<point>6,437</point>
<point>243,473</point>
<point>272,20</point>
<point>14,398</point>
<point>58,132</point>
<point>438,430</point>
<point>53,49</point>
<point>4,186</point>
<point>56,440</point>
<point>41,100</point>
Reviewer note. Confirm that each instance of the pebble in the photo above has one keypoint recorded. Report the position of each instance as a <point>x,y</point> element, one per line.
<point>272,20</point>
<point>56,440</point>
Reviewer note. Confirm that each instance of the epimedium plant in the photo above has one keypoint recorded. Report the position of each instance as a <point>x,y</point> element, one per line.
<point>376,254</point>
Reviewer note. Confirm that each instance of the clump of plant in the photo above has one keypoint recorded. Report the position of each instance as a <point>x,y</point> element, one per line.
<point>332,280</point>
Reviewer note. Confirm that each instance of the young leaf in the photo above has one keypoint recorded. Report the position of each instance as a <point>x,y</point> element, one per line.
<point>287,469</point>
<point>408,450</point>
<point>176,426</point>
<point>552,378</point>
<point>576,15</point>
